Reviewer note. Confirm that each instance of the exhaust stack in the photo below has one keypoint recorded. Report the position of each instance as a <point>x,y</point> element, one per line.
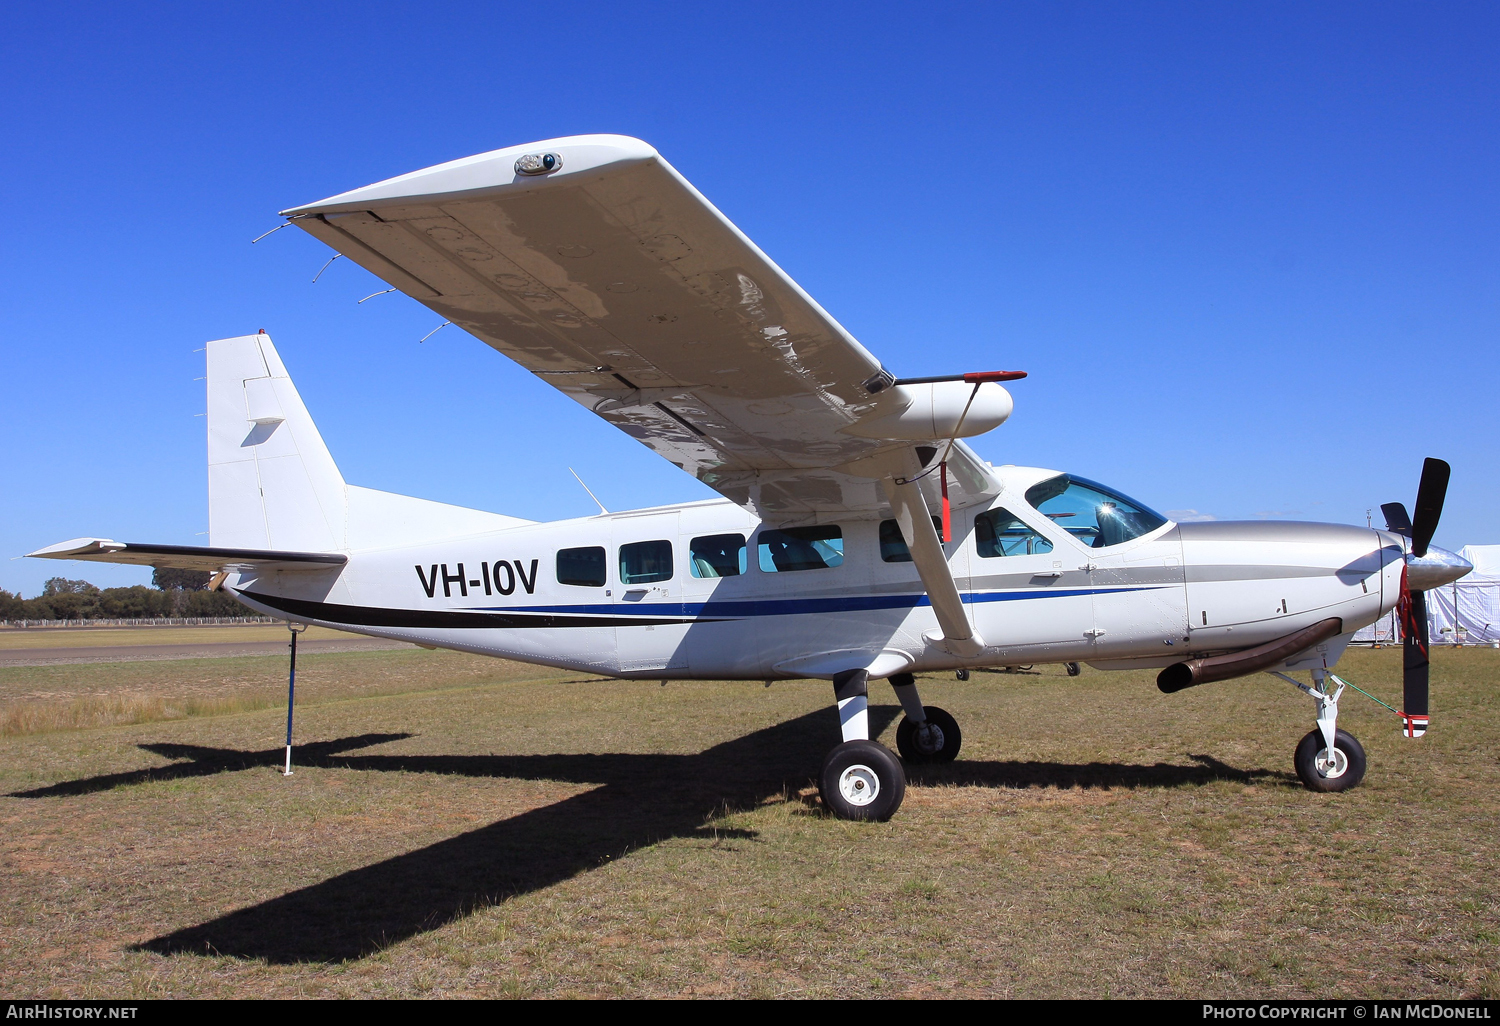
<point>1193,672</point>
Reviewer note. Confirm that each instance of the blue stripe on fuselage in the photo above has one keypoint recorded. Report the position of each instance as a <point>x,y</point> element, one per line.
<point>791,607</point>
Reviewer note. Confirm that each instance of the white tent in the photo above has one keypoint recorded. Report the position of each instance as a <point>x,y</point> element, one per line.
<point>1466,612</point>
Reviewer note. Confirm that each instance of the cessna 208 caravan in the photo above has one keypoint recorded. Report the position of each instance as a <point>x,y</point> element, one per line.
<point>858,536</point>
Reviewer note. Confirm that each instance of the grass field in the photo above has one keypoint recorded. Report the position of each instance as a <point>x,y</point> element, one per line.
<point>18,639</point>
<point>461,826</point>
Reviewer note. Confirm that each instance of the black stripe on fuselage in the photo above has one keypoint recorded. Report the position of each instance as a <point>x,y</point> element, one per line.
<point>377,616</point>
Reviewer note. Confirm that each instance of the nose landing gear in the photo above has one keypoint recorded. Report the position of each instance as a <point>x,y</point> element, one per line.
<point>1326,759</point>
<point>1323,769</point>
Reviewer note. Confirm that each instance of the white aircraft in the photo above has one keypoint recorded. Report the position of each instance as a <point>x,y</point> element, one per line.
<point>858,536</point>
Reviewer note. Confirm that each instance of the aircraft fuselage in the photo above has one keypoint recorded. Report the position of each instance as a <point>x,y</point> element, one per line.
<point>633,594</point>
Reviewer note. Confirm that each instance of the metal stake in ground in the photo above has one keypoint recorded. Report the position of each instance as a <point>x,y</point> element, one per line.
<point>291,693</point>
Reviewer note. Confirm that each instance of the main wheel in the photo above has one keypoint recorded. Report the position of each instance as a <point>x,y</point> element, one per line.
<point>1319,771</point>
<point>1073,669</point>
<point>937,740</point>
<point>862,780</point>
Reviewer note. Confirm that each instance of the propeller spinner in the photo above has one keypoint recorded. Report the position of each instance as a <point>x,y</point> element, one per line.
<point>1426,568</point>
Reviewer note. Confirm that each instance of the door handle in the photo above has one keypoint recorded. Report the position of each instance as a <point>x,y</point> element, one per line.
<point>1048,573</point>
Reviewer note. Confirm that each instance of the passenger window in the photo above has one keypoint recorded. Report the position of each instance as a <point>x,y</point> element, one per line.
<point>893,548</point>
<point>717,555</point>
<point>1094,515</point>
<point>581,567</point>
<point>998,533</point>
<point>801,548</point>
<point>645,562</point>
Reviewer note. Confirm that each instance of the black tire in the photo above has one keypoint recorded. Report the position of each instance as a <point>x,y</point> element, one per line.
<point>1305,762</point>
<point>940,743</point>
<point>862,780</point>
<point>961,674</point>
<point>1073,669</point>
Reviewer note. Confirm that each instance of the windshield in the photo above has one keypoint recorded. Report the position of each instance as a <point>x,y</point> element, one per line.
<point>1091,513</point>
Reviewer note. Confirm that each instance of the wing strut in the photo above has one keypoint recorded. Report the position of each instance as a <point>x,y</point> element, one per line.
<point>959,638</point>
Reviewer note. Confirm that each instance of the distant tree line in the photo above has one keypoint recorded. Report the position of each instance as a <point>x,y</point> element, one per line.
<point>173,593</point>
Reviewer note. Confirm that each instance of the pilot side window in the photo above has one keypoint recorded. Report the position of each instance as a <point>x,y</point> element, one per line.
<point>645,562</point>
<point>717,555</point>
<point>801,548</point>
<point>1095,516</point>
<point>581,567</point>
<point>999,533</point>
<point>893,547</point>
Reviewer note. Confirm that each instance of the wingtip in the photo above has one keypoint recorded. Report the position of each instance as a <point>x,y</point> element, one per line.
<point>483,171</point>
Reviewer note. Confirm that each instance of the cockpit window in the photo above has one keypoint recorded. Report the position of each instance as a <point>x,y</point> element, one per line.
<point>1091,513</point>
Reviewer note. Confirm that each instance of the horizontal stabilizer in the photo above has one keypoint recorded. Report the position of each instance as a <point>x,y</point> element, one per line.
<point>189,557</point>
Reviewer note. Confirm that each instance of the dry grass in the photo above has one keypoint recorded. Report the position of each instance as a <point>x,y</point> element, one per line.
<point>38,699</point>
<point>500,836</point>
<point>17,639</point>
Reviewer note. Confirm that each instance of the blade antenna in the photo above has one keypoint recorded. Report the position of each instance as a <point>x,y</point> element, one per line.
<point>602,510</point>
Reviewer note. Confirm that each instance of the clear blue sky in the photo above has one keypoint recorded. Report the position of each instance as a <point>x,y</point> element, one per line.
<point>1248,252</point>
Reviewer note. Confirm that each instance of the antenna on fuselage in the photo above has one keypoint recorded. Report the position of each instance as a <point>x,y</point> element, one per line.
<point>602,510</point>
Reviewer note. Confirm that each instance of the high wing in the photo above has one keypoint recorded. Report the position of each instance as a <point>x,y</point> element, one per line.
<point>189,557</point>
<point>606,274</point>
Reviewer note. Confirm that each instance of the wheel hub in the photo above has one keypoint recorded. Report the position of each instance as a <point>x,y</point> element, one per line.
<point>930,738</point>
<point>859,785</point>
<point>1331,768</point>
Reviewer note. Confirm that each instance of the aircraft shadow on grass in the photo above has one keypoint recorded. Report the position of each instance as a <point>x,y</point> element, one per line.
<point>639,800</point>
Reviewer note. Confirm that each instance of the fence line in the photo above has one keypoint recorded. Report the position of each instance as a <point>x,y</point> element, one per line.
<point>153,621</point>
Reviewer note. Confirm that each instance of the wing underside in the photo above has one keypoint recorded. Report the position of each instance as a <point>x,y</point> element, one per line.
<point>615,281</point>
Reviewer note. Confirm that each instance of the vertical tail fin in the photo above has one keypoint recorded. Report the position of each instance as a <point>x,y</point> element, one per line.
<point>271,481</point>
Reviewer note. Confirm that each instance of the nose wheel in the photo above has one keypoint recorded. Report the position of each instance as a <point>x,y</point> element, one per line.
<point>1327,759</point>
<point>1323,769</point>
<point>862,780</point>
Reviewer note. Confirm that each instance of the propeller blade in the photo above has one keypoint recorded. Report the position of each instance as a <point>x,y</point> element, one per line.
<point>1414,664</point>
<point>1396,520</point>
<point>1430,495</point>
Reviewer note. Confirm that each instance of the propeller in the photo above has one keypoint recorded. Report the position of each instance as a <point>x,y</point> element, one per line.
<point>1412,608</point>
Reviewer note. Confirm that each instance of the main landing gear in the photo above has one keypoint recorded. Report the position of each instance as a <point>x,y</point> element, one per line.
<point>1327,759</point>
<point>863,779</point>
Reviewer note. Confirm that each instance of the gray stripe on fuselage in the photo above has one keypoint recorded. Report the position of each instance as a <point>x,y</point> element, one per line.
<point>1238,572</point>
<point>1275,531</point>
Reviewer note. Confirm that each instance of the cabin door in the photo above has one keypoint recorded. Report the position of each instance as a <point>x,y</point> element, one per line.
<point>649,564</point>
